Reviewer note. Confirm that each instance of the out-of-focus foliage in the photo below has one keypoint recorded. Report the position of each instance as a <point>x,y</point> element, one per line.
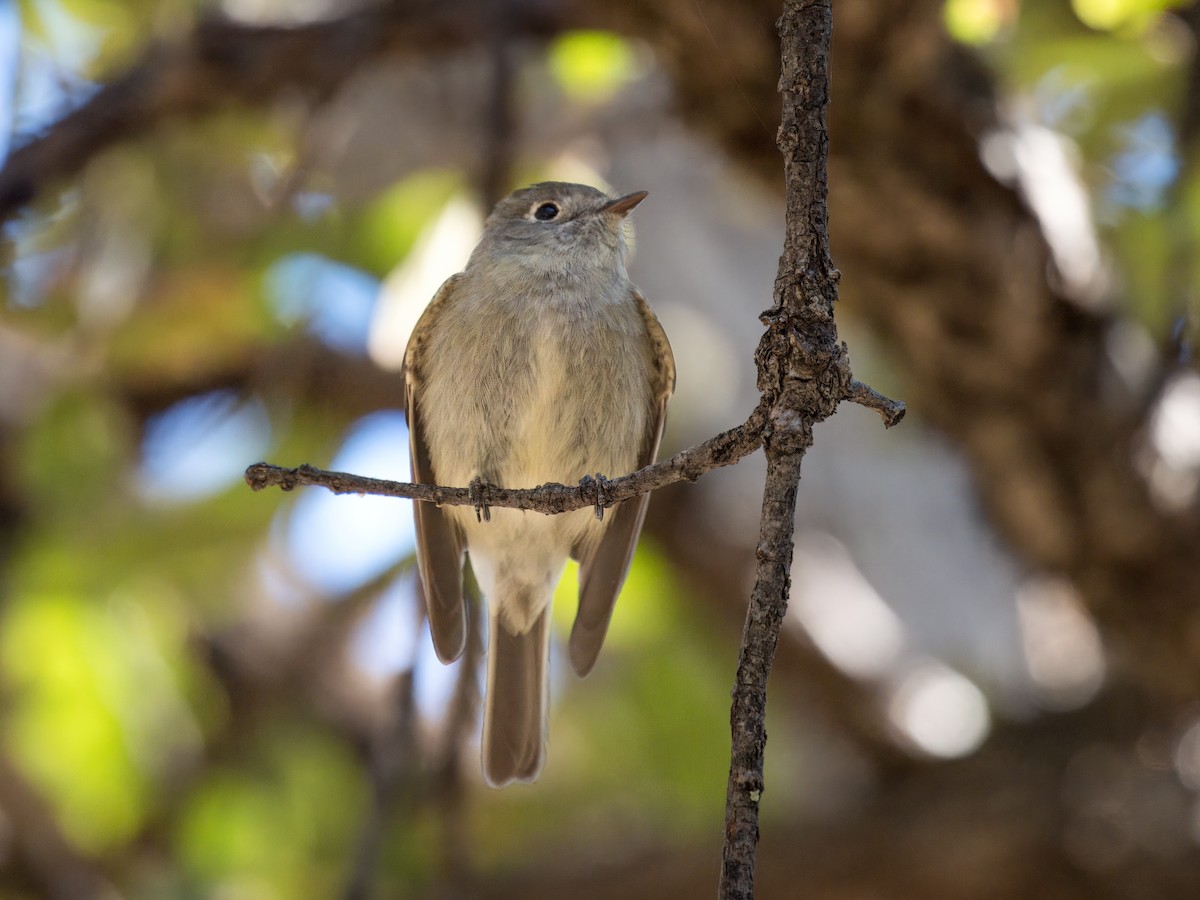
<point>591,65</point>
<point>197,677</point>
<point>1107,77</point>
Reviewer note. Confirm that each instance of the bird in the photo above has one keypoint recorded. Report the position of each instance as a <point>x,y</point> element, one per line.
<point>539,362</point>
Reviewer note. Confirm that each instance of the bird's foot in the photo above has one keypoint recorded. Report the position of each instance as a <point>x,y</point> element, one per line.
<point>597,486</point>
<point>480,490</point>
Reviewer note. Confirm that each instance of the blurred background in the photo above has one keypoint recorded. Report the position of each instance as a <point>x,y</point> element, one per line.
<point>220,221</point>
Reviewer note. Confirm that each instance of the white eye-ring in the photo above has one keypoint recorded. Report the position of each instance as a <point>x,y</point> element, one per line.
<point>545,212</point>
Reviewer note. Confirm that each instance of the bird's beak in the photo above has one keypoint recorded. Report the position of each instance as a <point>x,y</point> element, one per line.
<point>623,206</point>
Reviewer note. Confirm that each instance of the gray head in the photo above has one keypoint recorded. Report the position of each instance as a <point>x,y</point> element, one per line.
<point>559,226</point>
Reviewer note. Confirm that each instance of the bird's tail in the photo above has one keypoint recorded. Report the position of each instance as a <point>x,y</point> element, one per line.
<point>515,707</point>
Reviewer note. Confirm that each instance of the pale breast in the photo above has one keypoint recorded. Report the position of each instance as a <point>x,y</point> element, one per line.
<point>587,411</point>
<point>539,389</point>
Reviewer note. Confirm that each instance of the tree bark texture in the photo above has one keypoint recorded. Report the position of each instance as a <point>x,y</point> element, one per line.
<point>803,373</point>
<point>747,715</point>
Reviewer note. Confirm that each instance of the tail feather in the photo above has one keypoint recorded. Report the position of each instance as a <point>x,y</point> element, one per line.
<point>515,708</point>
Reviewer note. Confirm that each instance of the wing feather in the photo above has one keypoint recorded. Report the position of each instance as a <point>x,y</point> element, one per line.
<point>604,565</point>
<point>439,546</point>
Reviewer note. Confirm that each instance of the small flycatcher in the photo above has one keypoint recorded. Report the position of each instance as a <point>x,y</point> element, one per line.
<point>540,362</point>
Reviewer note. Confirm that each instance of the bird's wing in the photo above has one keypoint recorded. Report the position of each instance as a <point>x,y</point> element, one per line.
<point>439,546</point>
<point>604,564</point>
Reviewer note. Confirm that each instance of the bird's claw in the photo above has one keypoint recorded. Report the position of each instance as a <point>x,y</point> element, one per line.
<point>597,485</point>
<point>479,492</point>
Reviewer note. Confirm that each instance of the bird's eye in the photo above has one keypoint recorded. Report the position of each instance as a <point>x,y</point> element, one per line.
<point>546,212</point>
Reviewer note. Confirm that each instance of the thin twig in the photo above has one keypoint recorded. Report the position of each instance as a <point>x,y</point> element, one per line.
<point>891,411</point>
<point>723,450</point>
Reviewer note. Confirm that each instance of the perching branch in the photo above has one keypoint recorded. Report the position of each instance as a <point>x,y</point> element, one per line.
<point>688,465</point>
<point>724,449</point>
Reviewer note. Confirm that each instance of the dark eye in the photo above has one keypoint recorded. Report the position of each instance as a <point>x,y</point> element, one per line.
<point>546,212</point>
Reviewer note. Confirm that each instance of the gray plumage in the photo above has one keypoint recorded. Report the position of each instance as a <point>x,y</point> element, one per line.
<point>538,362</point>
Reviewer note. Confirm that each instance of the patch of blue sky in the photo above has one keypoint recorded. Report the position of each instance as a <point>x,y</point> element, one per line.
<point>435,681</point>
<point>391,639</point>
<point>200,446</point>
<point>10,60</point>
<point>1146,165</point>
<point>50,82</point>
<point>336,302</point>
<point>385,642</point>
<point>311,205</point>
<point>1065,100</point>
<point>29,275</point>
<point>338,542</point>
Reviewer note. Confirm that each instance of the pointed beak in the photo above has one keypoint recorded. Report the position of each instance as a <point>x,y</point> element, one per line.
<point>623,206</point>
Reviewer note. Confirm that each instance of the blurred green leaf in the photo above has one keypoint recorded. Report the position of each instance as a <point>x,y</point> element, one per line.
<point>592,65</point>
<point>282,827</point>
<point>1145,252</point>
<point>197,321</point>
<point>642,614</point>
<point>75,700</point>
<point>976,21</point>
<point>1117,14</point>
<point>391,224</point>
<point>72,458</point>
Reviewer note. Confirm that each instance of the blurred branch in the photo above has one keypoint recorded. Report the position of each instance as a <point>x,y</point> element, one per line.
<point>221,61</point>
<point>394,770</point>
<point>299,370</point>
<point>500,111</point>
<point>406,775</point>
<point>54,864</point>
<point>1189,115</point>
<point>460,718</point>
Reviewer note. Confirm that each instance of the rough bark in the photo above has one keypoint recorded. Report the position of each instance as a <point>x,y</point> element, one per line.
<point>803,374</point>
<point>748,712</point>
